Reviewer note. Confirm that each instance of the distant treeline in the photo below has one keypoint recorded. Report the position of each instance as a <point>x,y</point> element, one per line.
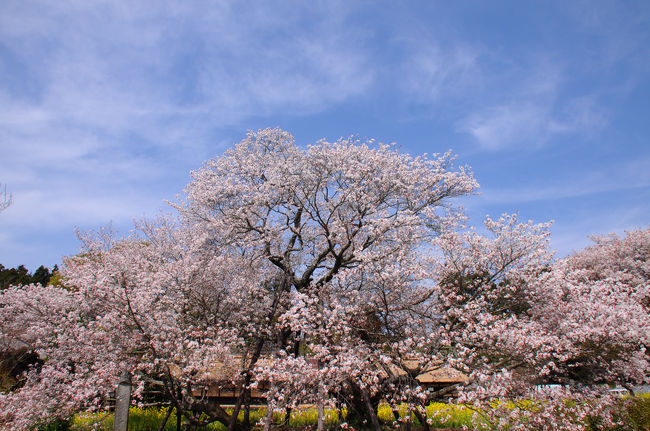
<point>21,275</point>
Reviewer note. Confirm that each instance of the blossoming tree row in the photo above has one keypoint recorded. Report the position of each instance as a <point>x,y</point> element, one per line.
<point>348,255</point>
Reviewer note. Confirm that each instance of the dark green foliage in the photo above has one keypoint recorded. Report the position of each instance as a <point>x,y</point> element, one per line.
<point>13,363</point>
<point>21,275</point>
<point>41,276</point>
<point>13,276</point>
<point>55,425</point>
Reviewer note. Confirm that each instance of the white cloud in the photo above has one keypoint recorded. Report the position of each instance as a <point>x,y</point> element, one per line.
<point>107,65</point>
<point>532,111</point>
<point>107,105</point>
<point>432,72</point>
<point>506,125</point>
<point>125,91</point>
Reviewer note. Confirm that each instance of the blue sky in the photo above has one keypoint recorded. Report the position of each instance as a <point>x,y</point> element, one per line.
<point>105,107</point>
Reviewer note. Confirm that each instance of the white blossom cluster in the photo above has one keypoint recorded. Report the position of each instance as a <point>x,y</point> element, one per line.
<point>341,269</point>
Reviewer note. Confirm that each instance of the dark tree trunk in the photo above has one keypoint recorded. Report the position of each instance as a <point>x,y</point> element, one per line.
<point>372,411</point>
<point>167,415</point>
<point>339,410</point>
<point>244,386</point>
<point>287,417</point>
<point>246,425</point>
<point>395,411</point>
<point>356,406</point>
<point>422,419</point>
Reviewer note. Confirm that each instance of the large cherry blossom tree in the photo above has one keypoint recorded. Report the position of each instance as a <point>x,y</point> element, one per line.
<point>338,270</point>
<point>263,229</point>
<point>331,220</point>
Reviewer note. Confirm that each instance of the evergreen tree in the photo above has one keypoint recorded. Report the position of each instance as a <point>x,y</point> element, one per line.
<point>22,276</point>
<point>41,275</point>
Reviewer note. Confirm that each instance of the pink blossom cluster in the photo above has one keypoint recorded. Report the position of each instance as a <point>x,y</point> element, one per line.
<point>341,270</point>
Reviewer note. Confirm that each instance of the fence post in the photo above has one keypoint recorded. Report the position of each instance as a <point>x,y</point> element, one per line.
<point>122,403</point>
<point>321,406</point>
<point>321,400</point>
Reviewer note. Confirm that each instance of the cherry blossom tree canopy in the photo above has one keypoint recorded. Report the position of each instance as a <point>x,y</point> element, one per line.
<point>342,269</point>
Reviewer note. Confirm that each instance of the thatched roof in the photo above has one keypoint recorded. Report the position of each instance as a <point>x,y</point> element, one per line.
<point>223,372</point>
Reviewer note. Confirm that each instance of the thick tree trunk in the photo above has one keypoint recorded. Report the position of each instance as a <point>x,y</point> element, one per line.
<point>374,420</point>
<point>395,411</point>
<point>243,387</point>
<point>356,406</point>
<point>422,419</point>
<point>287,416</point>
<point>247,410</point>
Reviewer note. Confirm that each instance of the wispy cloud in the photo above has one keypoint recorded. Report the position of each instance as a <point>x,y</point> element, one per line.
<point>112,66</point>
<point>124,90</point>
<point>432,72</point>
<point>108,105</point>
<point>607,177</point>
<point>532,112</point>
<point>506,125</point>
<point>574,234</point>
